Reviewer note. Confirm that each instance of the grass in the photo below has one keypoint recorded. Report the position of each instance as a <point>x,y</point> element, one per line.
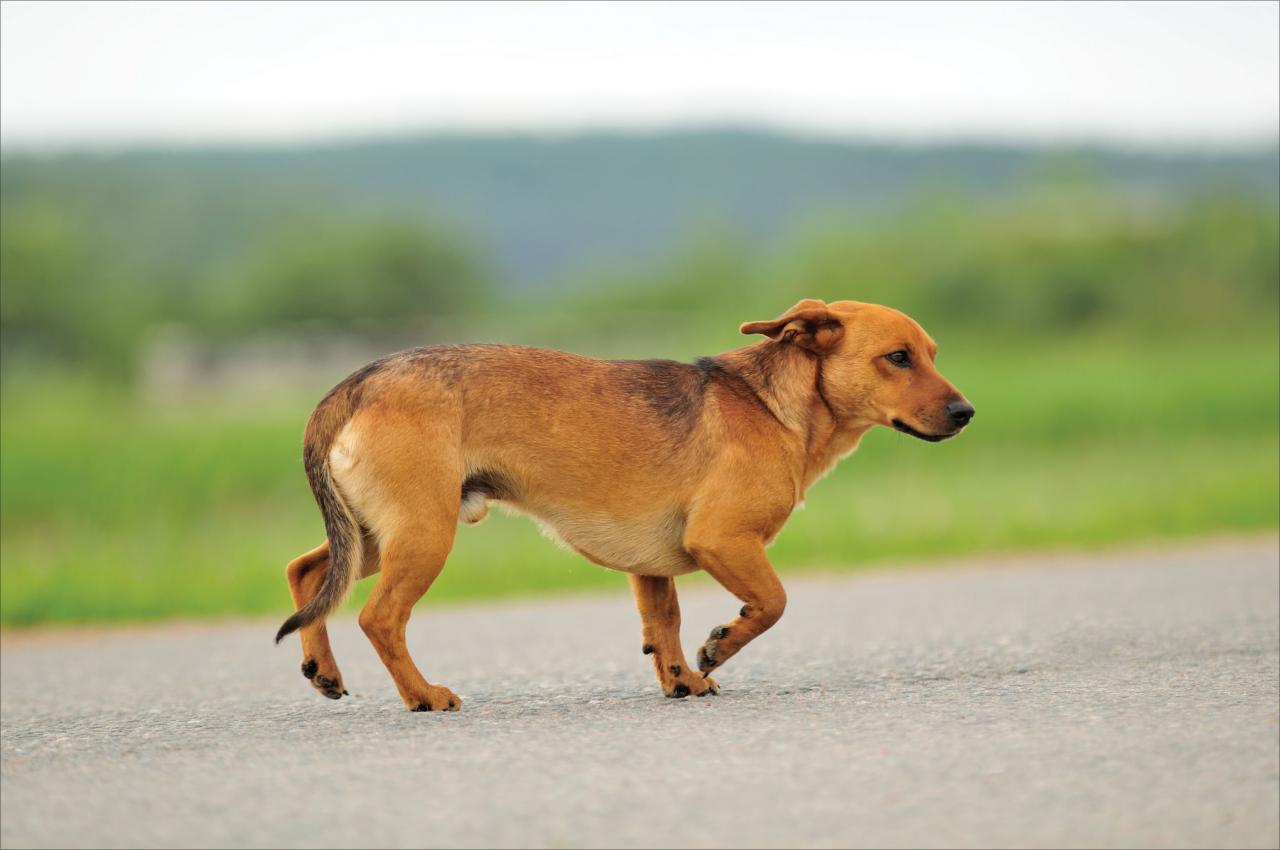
<point>110,512</point>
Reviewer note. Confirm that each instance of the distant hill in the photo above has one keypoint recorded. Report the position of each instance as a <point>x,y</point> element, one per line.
<point>541,208</point>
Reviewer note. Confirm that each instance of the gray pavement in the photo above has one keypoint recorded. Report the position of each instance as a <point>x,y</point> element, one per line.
<point>1120,700</point>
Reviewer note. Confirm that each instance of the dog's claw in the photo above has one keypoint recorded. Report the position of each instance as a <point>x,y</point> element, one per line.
<point>647,649</point>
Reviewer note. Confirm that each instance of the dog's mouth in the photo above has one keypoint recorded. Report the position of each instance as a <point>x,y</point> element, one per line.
<point>920,435</point>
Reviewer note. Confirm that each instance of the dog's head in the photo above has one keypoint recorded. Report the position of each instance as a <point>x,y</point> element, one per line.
<point>877,366</point>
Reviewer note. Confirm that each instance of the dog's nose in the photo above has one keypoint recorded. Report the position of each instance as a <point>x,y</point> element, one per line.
<point>960,413</point>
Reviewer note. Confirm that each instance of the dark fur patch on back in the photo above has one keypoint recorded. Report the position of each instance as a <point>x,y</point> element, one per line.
<point>712,369</point>
<point>677,391</point>
<point>731,379</point>
<point>673,390</point>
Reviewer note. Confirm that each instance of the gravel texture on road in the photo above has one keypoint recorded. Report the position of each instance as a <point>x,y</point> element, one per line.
<point>1127,699</point>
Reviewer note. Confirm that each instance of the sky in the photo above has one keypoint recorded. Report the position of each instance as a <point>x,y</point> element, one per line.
<point>1143,73</point>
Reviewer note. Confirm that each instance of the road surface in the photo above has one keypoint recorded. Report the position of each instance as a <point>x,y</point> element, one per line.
<point>1125,700</point>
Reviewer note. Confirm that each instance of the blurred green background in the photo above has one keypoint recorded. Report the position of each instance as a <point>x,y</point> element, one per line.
<point>168,319</point>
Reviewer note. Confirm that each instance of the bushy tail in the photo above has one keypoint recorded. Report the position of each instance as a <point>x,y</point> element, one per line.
<point>345,544</point>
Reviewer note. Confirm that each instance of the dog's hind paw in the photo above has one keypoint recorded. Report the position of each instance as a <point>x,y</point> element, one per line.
<point>329,684</point>
<point>331,688</point>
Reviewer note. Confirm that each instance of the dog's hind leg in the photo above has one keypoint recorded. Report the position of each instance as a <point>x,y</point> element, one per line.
<point>306,573</point>
<point>660,620</point>
<point>405,480</point>
<point>411,560</point>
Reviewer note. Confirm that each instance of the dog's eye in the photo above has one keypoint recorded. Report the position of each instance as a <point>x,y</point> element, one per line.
<point>899,358</point>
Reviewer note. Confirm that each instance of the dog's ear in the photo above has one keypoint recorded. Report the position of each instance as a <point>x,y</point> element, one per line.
<point>810,325</point>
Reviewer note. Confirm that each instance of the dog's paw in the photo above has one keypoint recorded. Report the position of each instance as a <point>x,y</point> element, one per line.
<point>699,687</point>
<point>679,682</point>
<point>707,657</point>
<point>328,682</point>
<point>709,654</point>
<point>437,698</point>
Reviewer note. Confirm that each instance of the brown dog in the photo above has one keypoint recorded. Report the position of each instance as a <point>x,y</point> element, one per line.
<point>651,467</point>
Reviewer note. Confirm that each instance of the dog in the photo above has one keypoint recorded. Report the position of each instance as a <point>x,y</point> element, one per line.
<point>650,467</point>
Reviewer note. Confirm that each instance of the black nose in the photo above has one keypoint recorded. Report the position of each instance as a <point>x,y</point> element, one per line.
<point>960,412</point>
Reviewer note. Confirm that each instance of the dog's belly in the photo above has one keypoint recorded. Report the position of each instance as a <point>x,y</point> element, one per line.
<point>641,546</point>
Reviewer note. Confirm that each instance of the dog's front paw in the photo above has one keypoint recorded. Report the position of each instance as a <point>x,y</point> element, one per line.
<point>709,655</point>
<point>682,683</point>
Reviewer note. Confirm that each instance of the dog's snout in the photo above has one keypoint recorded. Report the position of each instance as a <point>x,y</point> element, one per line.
<point>960,412</point>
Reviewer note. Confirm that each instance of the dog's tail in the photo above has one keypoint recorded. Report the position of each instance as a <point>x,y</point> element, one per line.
<point>344,532</point>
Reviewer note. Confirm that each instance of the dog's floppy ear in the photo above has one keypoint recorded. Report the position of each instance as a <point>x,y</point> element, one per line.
<point>810,325</point>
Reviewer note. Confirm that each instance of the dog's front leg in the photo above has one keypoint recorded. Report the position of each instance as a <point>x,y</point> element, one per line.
<point>660,619</point>
<point>740,565</point>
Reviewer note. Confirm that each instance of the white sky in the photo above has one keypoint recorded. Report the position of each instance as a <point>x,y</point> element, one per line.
<point>1147,73</point>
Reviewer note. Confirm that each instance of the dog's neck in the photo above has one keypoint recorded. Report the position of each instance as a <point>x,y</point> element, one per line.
<point>788,381</point>
<point>783,377</point>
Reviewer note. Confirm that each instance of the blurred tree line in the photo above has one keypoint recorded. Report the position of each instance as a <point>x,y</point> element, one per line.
<point>68,301</point>
<point>1057,259</point>
<point>81,286</point>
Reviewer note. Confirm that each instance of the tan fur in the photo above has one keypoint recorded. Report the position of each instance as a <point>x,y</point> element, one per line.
<point>648,467</point>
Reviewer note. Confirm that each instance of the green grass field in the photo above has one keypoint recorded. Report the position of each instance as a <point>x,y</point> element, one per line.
<point>111,513</point>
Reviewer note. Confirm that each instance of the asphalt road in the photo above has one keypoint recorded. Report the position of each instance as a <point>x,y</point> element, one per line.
<point>1127,700</point>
